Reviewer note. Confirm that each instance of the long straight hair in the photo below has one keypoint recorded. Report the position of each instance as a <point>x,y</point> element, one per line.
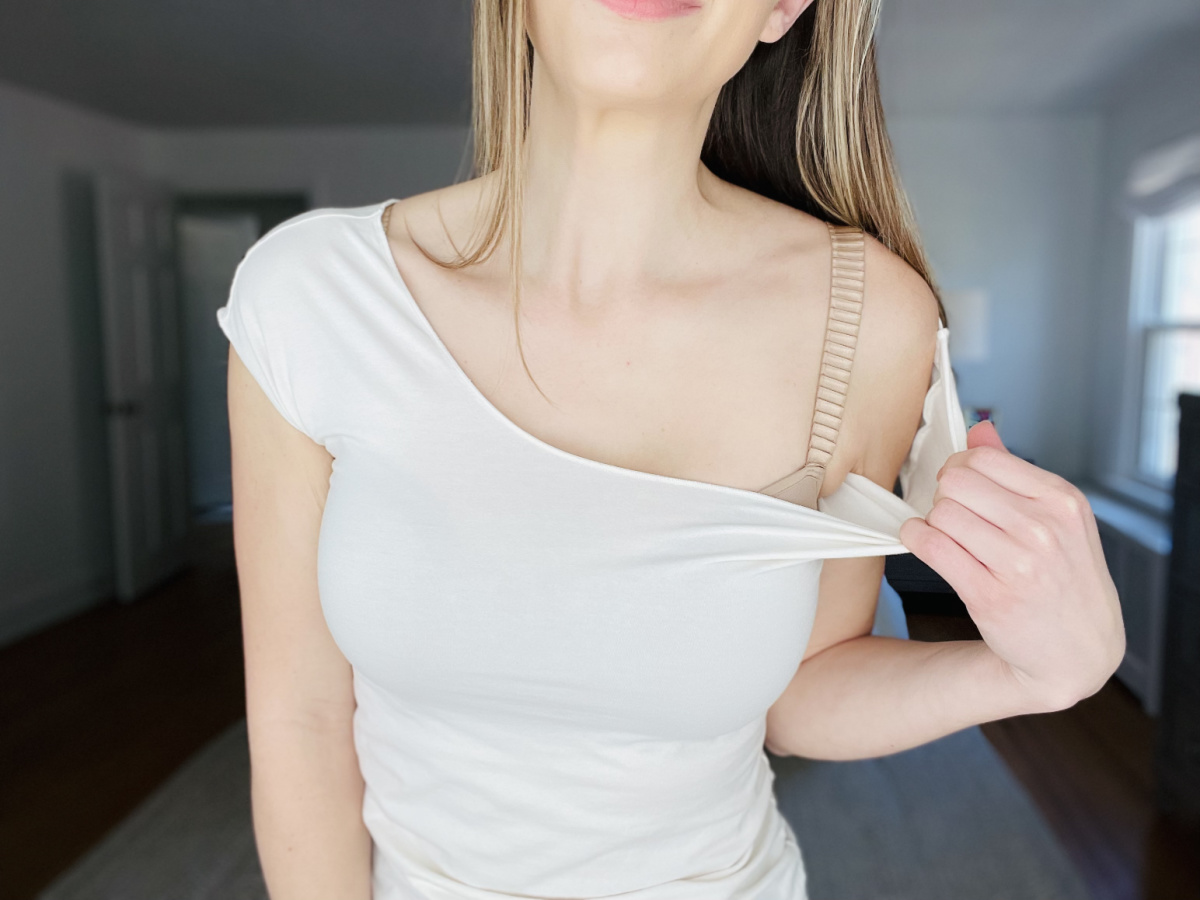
<point>801,122</point>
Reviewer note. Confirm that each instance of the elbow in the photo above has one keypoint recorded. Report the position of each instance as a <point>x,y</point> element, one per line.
<point>775,750</point>
<point>774,740</point>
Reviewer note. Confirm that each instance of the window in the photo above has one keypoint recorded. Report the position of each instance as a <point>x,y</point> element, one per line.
<point>1167,313</point>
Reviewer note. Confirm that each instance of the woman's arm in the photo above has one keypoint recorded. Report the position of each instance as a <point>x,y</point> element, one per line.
<point>856,695</point>
<point>1017,543</point>
<point>871,696</point>
<point>306,785</point>
<point>1032,577</point>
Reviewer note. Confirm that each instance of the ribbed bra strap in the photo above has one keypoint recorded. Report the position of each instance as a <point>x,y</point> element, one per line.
<point>841,336</point>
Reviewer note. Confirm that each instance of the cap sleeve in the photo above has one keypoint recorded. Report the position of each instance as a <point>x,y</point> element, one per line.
<point>258,321</point>
<point>943,431</point>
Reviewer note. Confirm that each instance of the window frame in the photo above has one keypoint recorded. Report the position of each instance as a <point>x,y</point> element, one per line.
<point>1149,247</point>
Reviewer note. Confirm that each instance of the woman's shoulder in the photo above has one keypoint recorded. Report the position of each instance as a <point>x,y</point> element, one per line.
<point>897,339</point>
<point>900,315</point>
<point>897,336</point>
<point>308,267</point>
<point>894,358</point>
<point>309,237</point>
<point>441,220</point>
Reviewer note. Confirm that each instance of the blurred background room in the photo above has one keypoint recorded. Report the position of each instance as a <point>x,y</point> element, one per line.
<point>1052,154</point>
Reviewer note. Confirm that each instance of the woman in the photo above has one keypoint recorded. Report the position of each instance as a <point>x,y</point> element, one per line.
<point>524,630</point>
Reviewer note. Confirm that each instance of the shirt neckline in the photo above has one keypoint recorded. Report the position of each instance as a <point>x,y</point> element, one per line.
<point>866,485</point>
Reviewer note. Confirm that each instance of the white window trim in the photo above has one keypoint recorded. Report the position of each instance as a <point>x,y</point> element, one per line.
<point>1128,481</point>
<point>1161,181</point>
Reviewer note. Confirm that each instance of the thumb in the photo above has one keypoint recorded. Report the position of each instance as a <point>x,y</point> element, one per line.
<point>984,434</point>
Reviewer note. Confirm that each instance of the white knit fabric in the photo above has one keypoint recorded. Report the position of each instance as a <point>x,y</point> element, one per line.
<point>562,667</point>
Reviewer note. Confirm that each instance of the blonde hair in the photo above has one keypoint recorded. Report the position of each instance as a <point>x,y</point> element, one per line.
<point>801,122</point>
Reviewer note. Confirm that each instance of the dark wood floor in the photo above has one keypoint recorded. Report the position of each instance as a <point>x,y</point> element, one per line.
<point>99,710</point>
<point>1089,770</point>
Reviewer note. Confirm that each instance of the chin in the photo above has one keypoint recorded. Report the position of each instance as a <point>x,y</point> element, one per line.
<point>624,86</point>
<point>619,61</point>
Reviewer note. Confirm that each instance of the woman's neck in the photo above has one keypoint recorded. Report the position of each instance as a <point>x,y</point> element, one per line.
<point>613,196</point>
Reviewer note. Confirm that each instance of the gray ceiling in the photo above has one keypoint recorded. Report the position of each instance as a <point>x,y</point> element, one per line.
<point>245,62</point>
<point>284,62</point>
<point>1019,55</point>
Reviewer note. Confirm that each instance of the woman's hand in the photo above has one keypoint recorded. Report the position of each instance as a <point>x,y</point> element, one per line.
<point>1020,546</point>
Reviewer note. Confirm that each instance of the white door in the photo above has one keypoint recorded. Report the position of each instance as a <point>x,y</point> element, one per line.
<point>143,381</point>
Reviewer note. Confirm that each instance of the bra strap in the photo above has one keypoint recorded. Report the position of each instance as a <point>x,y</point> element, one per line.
<point>841,336</point>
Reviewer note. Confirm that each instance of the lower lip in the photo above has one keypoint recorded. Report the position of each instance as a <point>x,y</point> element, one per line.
<point>652,10</point>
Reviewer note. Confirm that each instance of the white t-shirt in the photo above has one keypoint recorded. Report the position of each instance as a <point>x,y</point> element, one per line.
<point>562,667</point>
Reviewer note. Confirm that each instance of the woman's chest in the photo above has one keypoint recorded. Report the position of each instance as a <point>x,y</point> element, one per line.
<point>713,382</point>
<point>457,569</point>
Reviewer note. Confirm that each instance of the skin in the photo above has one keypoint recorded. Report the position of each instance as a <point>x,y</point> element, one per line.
<point>306,788</point>
<point>676,323</point>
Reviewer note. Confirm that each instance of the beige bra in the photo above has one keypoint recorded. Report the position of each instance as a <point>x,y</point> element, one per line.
<point>841,334</point>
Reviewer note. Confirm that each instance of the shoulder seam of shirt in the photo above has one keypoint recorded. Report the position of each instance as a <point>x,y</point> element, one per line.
<point>304,218</point>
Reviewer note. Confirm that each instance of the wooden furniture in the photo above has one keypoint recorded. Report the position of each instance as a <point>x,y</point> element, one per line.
<point>1178,755</point>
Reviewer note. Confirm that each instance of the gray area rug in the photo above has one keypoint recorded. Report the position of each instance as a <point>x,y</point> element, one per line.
<point>942,822</point>
<point>946,821</point>
<point>192,839</point>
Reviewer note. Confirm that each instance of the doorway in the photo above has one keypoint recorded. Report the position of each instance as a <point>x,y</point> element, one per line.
<point>213,234</point>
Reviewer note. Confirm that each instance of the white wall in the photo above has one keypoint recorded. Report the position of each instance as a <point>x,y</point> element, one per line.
<point>1029,208</point>
<point>55,555</point>
<point>1007,204</point>
<point>334,166</point>
<point>54,541</point>
<point>1157,104</point>
<point>1020,206</point>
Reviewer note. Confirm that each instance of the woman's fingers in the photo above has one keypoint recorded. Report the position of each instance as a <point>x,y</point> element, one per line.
<point>1009,471</point>
<point>962,571</point>
<point>1021,547</point>
<point>984,497</point>
<point>992,546</point>
<point>987,454</point>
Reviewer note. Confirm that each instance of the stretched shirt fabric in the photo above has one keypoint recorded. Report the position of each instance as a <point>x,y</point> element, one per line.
<point>562,666</point>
